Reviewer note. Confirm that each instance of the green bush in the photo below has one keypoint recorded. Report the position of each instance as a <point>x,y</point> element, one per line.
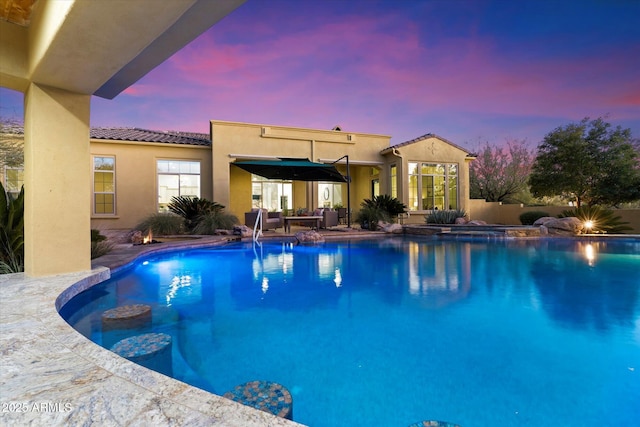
<point>445,216</point>
<point>99,244</point>
<point>602,220</point>
<point>391,206</point>
<point>528,218</point>
<point>192,209</point>
<point>162,224</point>
<point>11,232</point>
<point>368,217</point>
<point>217,220</point>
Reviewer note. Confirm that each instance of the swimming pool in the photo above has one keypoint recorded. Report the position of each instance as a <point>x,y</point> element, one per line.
<point>393,331</point>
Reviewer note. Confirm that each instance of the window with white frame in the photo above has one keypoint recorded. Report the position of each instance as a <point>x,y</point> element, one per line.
<point>104,185</point>
<point>177,178</point>
<point>393,180</point>
<point>329,194</point>
<point>433,186</point>
<point>271,194</point>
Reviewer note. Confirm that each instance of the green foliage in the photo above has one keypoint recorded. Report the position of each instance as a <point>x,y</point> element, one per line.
<point>603,220</point>
<point>216,220</point>
<point>99,244</point>
<point>391,206</point>
<point>162,224</point>
<point>445,216</point>
<point>588,162</point>
<point>369,215</point>
<point>192,209</point>
<point>528,218</point>
<point>500,174</point>
<point>11,232</point>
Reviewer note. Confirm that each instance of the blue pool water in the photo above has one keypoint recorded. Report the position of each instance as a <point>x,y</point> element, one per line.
<point>389,332</point>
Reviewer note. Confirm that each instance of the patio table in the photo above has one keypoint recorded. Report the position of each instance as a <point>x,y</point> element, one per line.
<point>288,219</point>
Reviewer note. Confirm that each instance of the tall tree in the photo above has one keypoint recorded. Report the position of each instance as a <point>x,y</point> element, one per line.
<point>498,173</point>
<point>588,162</point>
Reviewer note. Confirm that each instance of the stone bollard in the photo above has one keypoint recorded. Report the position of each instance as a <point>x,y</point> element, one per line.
<point>152,351</point>
<point>265,396</point>
<point>124,321</point>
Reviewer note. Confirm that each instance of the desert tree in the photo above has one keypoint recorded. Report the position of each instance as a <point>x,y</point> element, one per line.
<point>590,163</point>
<point>500,173</point>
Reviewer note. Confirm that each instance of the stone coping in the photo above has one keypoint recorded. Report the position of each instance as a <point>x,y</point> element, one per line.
<point>51,375</point>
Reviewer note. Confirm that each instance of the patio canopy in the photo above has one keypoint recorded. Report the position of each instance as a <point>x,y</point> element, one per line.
<point>293,169</point>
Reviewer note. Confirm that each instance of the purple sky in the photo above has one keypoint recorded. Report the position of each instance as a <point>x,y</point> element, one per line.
<point>470,71</point>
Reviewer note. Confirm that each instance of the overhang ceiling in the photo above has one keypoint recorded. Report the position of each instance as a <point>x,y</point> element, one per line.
<point>92,47</point>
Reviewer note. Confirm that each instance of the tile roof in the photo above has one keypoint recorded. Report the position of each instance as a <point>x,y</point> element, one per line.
<point>145,135</point>
<point>422,138</point>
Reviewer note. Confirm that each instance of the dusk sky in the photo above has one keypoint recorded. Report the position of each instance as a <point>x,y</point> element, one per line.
<point>470,71</point>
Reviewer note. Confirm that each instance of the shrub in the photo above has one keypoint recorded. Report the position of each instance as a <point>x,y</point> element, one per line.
<point>11,232</point>
<point>528,218</point>
<point>445,216</point>
<point>217,220</point>
<point>162,224</point>
<point>390,206</point>
<point>192,209</point>
<point>99,244</point>
<point>369,216</point>
<point>603,220</point>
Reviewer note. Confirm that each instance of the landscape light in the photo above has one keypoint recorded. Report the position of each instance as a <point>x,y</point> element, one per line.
<point>588,224</point>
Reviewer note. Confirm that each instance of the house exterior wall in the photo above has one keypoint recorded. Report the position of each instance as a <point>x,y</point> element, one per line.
<point>136,178</point>
<point>233,140</point>
<point>429,150</point>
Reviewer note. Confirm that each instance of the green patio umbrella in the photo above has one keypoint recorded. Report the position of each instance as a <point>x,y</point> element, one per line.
<point>293,169</point>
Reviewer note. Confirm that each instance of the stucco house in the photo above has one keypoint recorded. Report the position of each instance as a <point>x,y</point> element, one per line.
<point>135,172</point>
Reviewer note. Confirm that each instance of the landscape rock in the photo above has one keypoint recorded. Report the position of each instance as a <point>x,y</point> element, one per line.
<point>136,238</point>
<point>222,232</point>
<point>461,221</point>
<point>544,220</point>
<point>390,228</point>
<point>242,231</point>
<point>564,226</point>
<point>477,222</point>
<point>309,237</point>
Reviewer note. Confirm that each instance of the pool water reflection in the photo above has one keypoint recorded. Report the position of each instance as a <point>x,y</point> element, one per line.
<point>393,331</point>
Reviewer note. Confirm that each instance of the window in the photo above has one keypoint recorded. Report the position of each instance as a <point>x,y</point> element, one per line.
<point>13,180</point>
<point>329,194</point>
<point>393,179</point>
<point>177,178</point>
<point>271,194</point>
<point>104,185</point>
<point>433,186</point>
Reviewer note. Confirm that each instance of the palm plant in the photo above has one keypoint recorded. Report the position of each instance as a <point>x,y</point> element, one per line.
<point>597,220</point>
<point>192,209</point>
<point>11,232</point>
<point>384,202</point>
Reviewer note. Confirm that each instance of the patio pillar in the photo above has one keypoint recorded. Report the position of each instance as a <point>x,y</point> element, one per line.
<point>57,181</point>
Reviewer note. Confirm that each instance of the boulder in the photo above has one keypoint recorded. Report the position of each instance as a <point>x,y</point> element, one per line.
<point>544,220</point>
<point>461,221</point>
<point>242,231</point>
<point>309,237</point>
<point>390,228</point>
<point>136,238</point>
<point>222,232</point>
<point>564,226</point>
<point>477,222</point>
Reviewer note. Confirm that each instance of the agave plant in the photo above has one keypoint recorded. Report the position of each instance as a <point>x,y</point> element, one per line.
<point>192,209</point>
<point>597,220</point>
<point>11,232</point>
<point>445,216</point>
